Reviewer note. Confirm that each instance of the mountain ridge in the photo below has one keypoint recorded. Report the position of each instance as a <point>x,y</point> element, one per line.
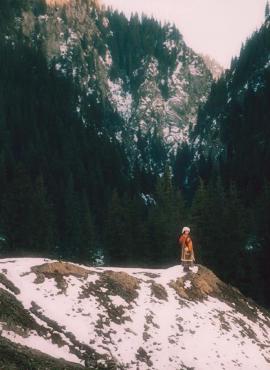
<point>159,91</point>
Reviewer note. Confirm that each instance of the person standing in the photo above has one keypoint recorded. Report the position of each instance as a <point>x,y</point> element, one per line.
<point>187,253</point>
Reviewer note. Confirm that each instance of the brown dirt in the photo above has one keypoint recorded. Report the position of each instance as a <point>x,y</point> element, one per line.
<point>116,283</point>
<point>158,291</point>
<point>146,336</point>
<point>224,324</point>
<point>150,275</point>
<point>16,357</point>
<point>61,268</point>
<point>9,284</point>
<point>149,318</point>
<point>142,356</point>
<point>83,351</point>
<point>19,320</point>
<point>246,330</point>
<point>15,317</point>
<point>58,271</point>
<point>203,283</point>
<point>120,283</point>
<point>178,286</point>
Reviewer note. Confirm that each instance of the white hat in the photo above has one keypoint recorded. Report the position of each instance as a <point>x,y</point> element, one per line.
<point>185,228</point>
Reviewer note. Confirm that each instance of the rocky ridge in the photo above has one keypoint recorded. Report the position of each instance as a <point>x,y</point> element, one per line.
<point>77,37</point>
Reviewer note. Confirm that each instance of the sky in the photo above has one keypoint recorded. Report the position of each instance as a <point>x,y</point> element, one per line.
<point>214,27</point>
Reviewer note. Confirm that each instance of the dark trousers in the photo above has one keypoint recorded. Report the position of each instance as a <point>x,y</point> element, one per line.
<point>187,265</point>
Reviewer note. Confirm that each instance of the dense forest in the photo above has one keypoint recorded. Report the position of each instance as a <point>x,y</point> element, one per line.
<point>231,142</point>
<point>67,189</point>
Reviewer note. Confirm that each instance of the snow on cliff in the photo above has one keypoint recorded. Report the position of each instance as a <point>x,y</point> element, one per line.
<point>122,318</point>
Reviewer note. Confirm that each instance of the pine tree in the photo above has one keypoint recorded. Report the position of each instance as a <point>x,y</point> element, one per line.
<point>88,237</point>
<point>267,10</point>
<point>3,188</point>
<point>43,232</point>
<point>217,227</point>
<point>137,215</point>
<point>237,224</point>
<point>261,247</point>
<point>3,179</point>
<point>165,219</point>
<point>9,10</point>
<point>116,234</point>
<point>17,212</point>
<point>200,220</point>
<point>181,165</point>
<point>70,245</point>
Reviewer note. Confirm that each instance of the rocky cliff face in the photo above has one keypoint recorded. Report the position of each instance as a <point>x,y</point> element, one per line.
<point>159,94</point>
<point>112,318</point>
<point>215,68</point>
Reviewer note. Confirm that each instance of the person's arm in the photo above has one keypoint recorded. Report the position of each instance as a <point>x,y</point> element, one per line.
<point>189,244</point>
<point>180,240</point>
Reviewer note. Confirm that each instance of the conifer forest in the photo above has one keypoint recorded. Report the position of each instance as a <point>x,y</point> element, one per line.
<point>70,189</point>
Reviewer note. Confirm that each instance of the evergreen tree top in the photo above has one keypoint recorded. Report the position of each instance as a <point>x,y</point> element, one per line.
<point>267,10</point>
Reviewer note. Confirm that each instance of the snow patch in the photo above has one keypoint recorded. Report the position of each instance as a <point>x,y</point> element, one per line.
<point>121,99</point>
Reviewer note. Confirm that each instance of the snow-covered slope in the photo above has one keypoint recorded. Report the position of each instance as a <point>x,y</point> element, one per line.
<point>129,318</point>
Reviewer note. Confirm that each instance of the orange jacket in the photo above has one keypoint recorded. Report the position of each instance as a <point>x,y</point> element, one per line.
<point>185,241</point>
